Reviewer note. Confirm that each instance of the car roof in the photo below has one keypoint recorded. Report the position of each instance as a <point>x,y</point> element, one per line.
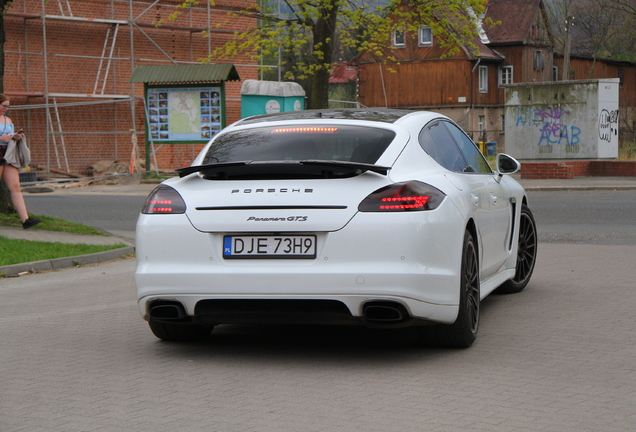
<point>365,114</point>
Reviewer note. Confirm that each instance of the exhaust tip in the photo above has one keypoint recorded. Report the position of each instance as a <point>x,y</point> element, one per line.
<point>169,311</point>
<point>384,312</point>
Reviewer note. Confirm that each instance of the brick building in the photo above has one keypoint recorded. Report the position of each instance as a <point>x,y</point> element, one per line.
<point>68,65</point>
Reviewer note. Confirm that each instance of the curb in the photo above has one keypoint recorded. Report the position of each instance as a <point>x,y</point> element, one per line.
<point>14,270</point>
<point>577,188</point>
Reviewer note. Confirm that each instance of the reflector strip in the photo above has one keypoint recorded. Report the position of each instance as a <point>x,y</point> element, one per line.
<point>305,130</point>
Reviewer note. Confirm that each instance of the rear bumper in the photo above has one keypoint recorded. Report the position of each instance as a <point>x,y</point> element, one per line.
<point>297,310</point>
<point>412,259</point>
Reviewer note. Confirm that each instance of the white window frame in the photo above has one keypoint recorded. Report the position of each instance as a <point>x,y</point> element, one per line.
<point>483,79</point>
<point>395,38</point>
<point>506,74</point>
<point>481,127</point>
<point>425,41</point>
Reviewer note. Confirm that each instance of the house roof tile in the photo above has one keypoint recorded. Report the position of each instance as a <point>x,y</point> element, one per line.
<point>516,18</point>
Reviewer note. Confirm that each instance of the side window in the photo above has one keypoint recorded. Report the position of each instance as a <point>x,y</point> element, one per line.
<point>398,38</point>
<point>483,79</point>
<point>426,36</point>
<point>437,141</point>
<point>505,75</point>
<point>474,158</point>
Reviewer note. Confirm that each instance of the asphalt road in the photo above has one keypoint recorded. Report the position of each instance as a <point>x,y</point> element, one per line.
<point>113,213</point>
<point>591,217</point>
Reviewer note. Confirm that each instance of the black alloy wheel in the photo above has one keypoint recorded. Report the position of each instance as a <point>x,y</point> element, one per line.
<point>526,254</point>
<point>463,332</point>
<point>470,285</point>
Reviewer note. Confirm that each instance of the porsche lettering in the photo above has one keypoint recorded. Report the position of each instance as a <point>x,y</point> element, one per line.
<point>272,190</point>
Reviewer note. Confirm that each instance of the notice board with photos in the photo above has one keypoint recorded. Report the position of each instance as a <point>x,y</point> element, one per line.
<point>184,113</point>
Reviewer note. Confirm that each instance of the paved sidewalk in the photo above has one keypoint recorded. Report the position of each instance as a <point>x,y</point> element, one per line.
<point>578,183</point>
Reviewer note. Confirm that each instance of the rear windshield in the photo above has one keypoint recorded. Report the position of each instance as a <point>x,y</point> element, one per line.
<point>301,142</point>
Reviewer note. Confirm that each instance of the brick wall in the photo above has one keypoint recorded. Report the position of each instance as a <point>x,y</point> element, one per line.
<point>571,169</point>
<point>95,131</point>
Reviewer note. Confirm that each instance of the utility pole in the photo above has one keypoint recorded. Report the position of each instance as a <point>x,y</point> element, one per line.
<point>569,24</point>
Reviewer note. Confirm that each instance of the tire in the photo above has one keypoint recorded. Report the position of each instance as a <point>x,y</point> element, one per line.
<point>463,332</point>
<point>526,254</point>
<point>180,332</point>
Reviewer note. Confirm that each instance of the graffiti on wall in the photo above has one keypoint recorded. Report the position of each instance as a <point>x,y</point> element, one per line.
<point>552,123</point>
<point>607,125</point>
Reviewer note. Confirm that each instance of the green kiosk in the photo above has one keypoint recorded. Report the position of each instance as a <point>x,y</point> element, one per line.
<point>267,97</point>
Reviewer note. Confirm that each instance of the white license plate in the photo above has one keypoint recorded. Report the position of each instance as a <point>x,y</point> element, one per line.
<point>276,246</point>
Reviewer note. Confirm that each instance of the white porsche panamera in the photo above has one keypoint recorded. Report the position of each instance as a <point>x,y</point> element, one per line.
<point>370,217</point>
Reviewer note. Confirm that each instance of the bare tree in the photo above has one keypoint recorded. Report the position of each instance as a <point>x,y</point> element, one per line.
<point>558,12</point>
<point>625,45</point>
<point>598,27</point>
<point>595,28</point>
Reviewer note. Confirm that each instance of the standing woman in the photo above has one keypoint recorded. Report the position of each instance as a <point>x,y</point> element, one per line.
<point>9,173</point>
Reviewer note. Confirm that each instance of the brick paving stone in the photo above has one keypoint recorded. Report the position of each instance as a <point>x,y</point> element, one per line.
<point>557,357</point>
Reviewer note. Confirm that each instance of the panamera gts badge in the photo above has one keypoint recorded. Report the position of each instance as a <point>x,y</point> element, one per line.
<point>278,219</point>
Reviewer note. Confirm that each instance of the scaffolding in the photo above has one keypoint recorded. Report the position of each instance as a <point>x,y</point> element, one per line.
<point>138,23</point>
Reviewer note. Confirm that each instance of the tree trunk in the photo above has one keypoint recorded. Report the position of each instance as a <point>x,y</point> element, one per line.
<point>324,32</point>
<point>4,5</point>
<point>5,196</point>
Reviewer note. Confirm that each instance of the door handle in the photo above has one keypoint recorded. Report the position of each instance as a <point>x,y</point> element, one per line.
<point>475,199</point>
<point>493,199</point>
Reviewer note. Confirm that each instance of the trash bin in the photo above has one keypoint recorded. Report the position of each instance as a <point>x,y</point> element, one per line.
<point>482,147</point>
<point>492,148</point>
<point>267,97</point>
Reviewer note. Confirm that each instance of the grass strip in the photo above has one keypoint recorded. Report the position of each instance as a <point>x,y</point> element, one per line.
<point>21,251</point>
<point>49,224</point>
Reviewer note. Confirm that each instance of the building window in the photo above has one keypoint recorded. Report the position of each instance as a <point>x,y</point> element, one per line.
<point>621,77</point>
<point>425,36</point>
<point>555,73</point>
<point>505,75</point>
<point>483,79</point>
<point>398,38</point>
<point>481,126</point>
<point>538,60</point>
<point>503,123</point>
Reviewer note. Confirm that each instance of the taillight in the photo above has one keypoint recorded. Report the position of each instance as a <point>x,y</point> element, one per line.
<point>164,200</point>
<point>399,197</point>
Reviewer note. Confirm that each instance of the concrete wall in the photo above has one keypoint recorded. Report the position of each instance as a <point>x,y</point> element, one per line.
<point>563,120</point>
